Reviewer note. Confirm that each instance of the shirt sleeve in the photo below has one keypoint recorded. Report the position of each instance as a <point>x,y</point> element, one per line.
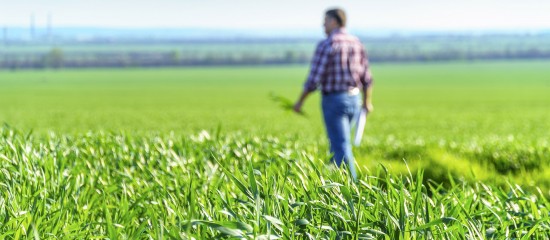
<point>318,66</point>
<point>366,77</point>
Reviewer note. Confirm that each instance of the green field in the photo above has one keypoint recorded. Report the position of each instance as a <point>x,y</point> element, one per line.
<point>456,101</point>
<point>123,154</point>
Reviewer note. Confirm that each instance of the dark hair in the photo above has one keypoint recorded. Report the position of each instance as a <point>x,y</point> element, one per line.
<point>338,14</point>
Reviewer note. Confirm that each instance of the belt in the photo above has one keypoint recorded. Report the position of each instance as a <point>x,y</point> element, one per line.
<point>351,92</point>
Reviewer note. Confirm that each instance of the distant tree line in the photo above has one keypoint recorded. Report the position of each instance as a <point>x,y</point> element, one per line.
<point>58,58</point>
<point>458,55</point>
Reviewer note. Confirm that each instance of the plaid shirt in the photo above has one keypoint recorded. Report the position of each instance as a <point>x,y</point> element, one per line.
<point>339,64</point>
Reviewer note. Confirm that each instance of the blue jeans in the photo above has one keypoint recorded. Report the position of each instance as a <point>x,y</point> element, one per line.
<point>339,110</point>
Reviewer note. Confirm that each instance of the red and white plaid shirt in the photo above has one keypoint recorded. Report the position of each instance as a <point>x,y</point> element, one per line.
<point>340,64</point>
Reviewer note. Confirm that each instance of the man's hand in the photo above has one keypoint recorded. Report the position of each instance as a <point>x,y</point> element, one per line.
<point>367,99</point>
<point>369,107</point>
<point>298,107</point>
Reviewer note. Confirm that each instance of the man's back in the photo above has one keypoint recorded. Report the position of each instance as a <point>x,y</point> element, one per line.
<point>339,64</point>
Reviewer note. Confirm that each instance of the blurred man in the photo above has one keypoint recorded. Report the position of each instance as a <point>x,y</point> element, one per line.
<point>340,69</point>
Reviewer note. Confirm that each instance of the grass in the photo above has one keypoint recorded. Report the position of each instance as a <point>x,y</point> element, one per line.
<point>116,186</point>
<point>455,102</point>
<point>489,115</point>
<point>456,149</point>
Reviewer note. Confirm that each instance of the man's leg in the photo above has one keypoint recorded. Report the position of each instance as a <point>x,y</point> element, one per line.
<point>337,123</point>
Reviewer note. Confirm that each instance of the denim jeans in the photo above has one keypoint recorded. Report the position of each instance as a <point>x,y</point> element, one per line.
<point>339,110</point>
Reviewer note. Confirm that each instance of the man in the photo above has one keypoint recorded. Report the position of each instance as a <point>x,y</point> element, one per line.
<point>340,68</point>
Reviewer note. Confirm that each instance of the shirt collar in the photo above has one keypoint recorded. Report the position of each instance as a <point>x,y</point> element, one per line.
<point>338,30</point>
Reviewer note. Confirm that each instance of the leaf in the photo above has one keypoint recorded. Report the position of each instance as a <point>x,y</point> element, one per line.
<point>332,185</point>
<point>347,195</point>
<point>327,228</point>
<point>228,231</point>
<point>238,183</point>
<point>346,233</point>
<point>296,204</point>
<point>365,236</point>
<point>444,220</point>
<point>535,227</point>
<point>236,225</point>
<point>301,222</point>
<point>273,220</point>
<point>373,231</point>
<point>268,237</point>
<point>232,229</point>
<point>252,180</point>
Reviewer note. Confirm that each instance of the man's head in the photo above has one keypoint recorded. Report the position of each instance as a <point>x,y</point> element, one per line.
<point>334,18</point>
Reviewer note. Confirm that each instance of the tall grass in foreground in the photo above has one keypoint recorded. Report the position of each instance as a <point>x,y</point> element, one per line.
<point>119,186</point>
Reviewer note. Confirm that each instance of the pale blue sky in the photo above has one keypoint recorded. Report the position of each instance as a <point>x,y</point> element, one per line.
<point>282,14</point>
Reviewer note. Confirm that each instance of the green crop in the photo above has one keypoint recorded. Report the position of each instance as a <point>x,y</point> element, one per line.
<point>456,150</point>
<point>107,185</point>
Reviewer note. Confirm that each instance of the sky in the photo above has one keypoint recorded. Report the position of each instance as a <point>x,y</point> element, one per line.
<point>281,14</point>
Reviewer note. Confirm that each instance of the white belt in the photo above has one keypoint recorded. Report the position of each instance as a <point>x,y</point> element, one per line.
<point>353,91</point>
<point>350,92</point>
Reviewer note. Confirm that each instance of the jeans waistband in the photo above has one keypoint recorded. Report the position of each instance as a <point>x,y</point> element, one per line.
<point>350,92</point>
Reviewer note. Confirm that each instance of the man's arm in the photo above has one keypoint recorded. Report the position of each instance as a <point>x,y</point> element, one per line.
<point>318,67</point>
<point>367,81</point>
<point>367,99</point>
<point>300,102</point>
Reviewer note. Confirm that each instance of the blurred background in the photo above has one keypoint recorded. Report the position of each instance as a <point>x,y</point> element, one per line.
<point>443,70</point>
<point>460,85</point>
<point>66,34</point>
